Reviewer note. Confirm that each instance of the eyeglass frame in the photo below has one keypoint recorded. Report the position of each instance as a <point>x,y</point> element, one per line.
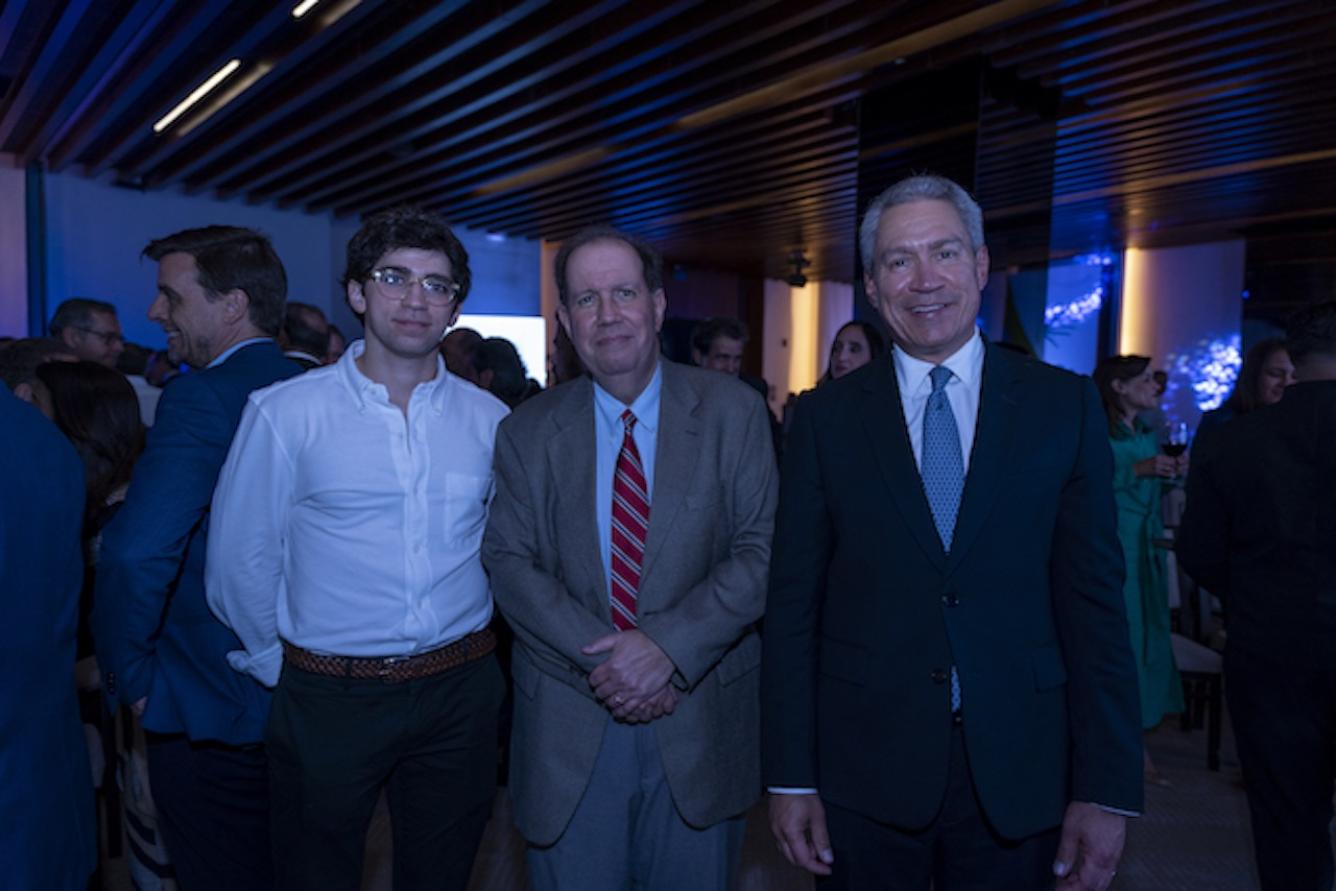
<point>107,337</point>
<point>377,275</point>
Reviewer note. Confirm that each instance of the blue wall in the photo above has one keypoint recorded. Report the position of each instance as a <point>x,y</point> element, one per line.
<point>95,232</point>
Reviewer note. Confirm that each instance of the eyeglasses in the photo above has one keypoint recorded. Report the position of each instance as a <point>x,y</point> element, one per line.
<point>395,282</point>
<point>108,337</point>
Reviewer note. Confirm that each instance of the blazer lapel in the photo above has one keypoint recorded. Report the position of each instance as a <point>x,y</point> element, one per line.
<point>884,422</point>
<point>571,465</point>
<point>676,451</point>
<point>993,439</point>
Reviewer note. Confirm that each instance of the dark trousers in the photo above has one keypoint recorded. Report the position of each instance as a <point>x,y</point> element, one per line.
<point>1284,718</point>
<point>959,851</point>
<point>335,743</point>
<point>213,812</point>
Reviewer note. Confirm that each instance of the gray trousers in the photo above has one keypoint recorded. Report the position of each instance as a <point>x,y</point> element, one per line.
<point>627,834</point>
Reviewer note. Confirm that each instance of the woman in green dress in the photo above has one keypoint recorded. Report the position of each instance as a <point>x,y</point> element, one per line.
<point>1139,476</point>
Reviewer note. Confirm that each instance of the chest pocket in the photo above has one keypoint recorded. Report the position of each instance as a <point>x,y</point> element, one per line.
<point>465,507</point>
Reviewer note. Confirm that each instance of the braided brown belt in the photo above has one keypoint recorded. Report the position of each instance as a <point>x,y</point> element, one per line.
<point>392,669</point>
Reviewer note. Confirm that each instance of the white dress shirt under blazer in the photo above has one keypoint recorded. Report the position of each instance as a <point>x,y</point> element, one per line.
<point>962,391</point>
<point>346,528</point>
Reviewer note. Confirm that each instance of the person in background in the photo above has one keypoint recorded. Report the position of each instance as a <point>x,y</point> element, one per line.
<point>220,297</point>
<point>717,344</point>
<point>99,412</point>
<point>458,348</point>
<point>133,363</point>
<point>19,361</point>
<point>47,834</point>
<point>1266,372</point>
<point>1260,532</point>
<point>162,366</point>
<point>856,344</point>
<point>563,361</point>
<point>305,335</point>
<point>1127,387</point>
<point>500,370</point>
<point>89,329</point>
<point>337,344</point>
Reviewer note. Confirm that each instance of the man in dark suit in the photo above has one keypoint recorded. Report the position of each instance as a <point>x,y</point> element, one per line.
<point>46,790</point>
<point>947,675</point>
<point>1260,532</point>
<point>220,300</point>
<point>627,546</point>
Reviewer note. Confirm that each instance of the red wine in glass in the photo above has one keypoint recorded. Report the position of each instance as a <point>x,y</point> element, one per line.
<point>1175,439</point>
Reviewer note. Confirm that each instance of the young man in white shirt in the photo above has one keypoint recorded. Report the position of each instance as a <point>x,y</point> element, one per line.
<point>348,520</point>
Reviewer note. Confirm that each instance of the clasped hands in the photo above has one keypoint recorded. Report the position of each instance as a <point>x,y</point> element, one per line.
<point>633,682</point>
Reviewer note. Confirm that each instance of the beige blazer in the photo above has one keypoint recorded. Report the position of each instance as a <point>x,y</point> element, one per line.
<point>702,590</point>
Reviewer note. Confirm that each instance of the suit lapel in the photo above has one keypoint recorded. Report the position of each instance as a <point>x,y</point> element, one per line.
<point>571,465</point>
<point>676,451</point>
<point>884,421</point>
<point>993,439</point>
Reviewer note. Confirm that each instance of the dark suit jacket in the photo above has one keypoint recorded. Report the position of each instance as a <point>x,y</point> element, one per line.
<point>46,790</point>
<point>866,612</point>
<point>1260,526</point>
<point>154,633</point>
<point>702,589</point>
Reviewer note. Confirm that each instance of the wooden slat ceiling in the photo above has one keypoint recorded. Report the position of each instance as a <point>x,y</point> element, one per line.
<point>726,133</point>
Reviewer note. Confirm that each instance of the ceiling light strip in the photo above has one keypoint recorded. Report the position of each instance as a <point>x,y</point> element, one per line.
<point>200,92</point>
<point>303,8</point>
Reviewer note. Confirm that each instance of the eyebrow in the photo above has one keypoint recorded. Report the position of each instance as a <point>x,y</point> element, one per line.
<point>932,246</point>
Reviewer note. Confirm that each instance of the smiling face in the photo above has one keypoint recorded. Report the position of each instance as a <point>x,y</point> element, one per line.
<point>410,328</point>
<point>927,278</point>
<point>612,317</point>
<point>1138,394</point>
<point>849,351</point>
<point>196,325</point>
<point>1277,374</point>
<point>99,340</point>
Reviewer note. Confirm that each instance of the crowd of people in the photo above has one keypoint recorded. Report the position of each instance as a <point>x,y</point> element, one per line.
<point>275,575</point>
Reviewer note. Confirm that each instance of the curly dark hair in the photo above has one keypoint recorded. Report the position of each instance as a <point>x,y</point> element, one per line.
<point>406,227</point>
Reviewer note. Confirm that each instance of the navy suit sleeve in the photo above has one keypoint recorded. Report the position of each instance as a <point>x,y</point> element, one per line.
<point>1087,573</point>
<point>144,546</point>
<point>799,560</point>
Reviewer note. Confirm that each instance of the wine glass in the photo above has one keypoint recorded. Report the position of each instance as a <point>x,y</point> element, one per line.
<point>1174,439</point>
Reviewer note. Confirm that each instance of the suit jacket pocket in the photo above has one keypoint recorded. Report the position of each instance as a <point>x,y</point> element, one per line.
<point>843,661</point>
<point>741,660</point>
<point>1049,668</point>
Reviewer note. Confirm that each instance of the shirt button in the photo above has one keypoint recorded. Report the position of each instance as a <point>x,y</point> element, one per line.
<point>950,599</point>
<point>938,675</point>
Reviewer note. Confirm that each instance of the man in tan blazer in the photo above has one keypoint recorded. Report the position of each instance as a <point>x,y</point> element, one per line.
<point>627,546</point>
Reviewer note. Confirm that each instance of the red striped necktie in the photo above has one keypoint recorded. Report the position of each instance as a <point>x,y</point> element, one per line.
<point>630,523</point>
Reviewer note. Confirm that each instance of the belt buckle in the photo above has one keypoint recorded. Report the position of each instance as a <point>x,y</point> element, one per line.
<point>387,666</point>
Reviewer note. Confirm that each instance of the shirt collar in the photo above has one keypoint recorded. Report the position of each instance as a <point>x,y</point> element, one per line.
<point>367,391</point>
<point>965,363</point>
<point>645,407</point>
<point>227,353</point>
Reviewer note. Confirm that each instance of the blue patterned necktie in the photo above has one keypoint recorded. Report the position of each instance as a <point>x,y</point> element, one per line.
<point>943,470</point>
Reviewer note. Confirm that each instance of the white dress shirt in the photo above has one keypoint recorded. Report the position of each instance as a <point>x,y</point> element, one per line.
<point>347,528</point>
<point>962,391</point>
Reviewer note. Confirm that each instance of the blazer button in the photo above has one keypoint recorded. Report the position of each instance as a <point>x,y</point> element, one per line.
<point>938,675</point>
<point>950,599</point>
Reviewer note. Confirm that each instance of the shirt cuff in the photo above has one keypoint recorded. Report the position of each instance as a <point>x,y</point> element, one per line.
<point>264,666</point>
<point>1113,810</point>
<point>789,790</point>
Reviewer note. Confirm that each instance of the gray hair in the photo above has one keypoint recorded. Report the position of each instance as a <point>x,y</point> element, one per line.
<point>926,187</point>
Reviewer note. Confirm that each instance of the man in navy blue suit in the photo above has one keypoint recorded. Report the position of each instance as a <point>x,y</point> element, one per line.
<point>46,790</point>
<point>947,688</point>
<point>221,295</point>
